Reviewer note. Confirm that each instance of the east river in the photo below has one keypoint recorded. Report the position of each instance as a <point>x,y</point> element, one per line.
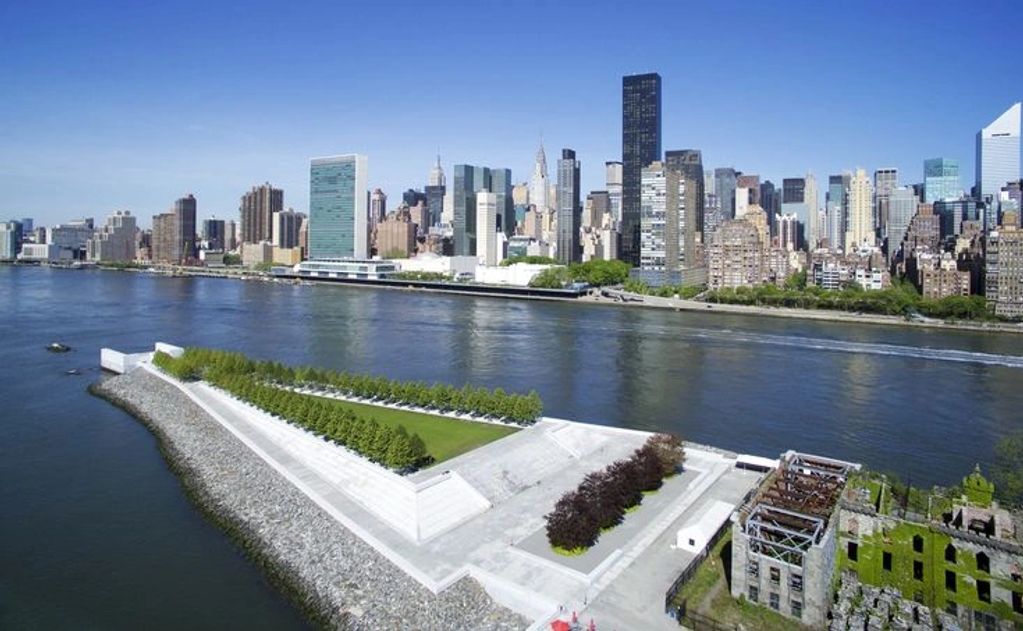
<point>96,532</point>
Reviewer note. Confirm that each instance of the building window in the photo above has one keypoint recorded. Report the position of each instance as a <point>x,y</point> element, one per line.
<point>775,575</point>
<point>918,543</point>
<point>796,582</point>
<point>853,550</point>
<point>984,591</point>
<point>797,608</point>
<point>950,553</point>
<point>983,562</point>
<point>950,580</point>
<point>753,569</point>
<point>886,561</point>
<point>918,570</point>
<point>1017,602</point>
<point>754,594</point>
<point>775,601</point>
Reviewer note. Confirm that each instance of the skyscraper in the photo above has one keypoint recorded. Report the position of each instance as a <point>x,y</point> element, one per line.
<point>860,227</point>
<point>667,220</point>
<point>469,180</point>
<point>886,180</point>
<point>285,226</point>
<point>538,184</point>
<point>724,187</point>
<point>256,209</point>
<point>769,200</point>
<point>998,158</point>
<point>641,145</point>
<point>941,180</point>
<point>902,205</point>
<point>653,191</point>
<point>569,209</point>
<point>837,210</point>
<point>793,197</point>
<point>813,216</point>
<point>338,207</point>
<point>164,240</point>
<point>486,225</point>
<point>213,233</point>
<point>501,185</point>
<point>184,217</point>
<point>613,181</point>
<point>597,203</point>
<point>435,194</point>
<point>377,207</point>
<point>750,181</point>
<point>689,162</point>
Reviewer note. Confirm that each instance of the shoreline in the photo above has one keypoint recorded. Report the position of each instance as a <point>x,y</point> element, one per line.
<point>199,497</point>
<point>637,300</point>
<point>824,315</point>
<point>335,579</point>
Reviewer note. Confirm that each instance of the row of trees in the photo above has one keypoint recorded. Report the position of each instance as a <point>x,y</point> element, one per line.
<point>685,292</point>
<point>424,276</point>
<point>602,498</point>
<point>522,409</point>
<point>531,259</point>
<point>900,299</point>
<point>387,445</point>
<point>597,273</point>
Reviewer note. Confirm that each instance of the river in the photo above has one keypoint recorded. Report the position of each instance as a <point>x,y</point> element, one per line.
<point>97,533</point>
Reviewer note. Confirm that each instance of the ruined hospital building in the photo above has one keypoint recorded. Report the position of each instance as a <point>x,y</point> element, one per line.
<point>784,541</point>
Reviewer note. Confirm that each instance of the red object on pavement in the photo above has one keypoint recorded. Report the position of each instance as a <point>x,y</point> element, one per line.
<point>560,625</point>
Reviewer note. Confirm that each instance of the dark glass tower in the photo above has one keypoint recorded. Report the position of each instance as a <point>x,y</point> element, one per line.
<point>689,162</point>
<point>569,208</point>
<point>641,145</point>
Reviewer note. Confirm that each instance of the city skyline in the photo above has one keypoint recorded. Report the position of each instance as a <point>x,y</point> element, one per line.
<point>124,145</point>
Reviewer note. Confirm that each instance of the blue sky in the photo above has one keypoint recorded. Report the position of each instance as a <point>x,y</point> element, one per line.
<point>112,105</point>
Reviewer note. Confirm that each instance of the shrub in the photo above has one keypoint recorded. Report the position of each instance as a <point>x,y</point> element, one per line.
<point>601,499</point>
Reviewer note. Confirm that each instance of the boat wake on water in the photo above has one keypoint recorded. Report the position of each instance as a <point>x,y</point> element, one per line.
<point>841,346</point>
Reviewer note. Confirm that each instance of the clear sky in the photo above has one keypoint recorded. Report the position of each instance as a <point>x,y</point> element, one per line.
<point>110,105</point>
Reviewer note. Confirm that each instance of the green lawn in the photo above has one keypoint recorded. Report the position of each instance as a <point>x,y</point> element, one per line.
<point>444,437</point>
<point>707,593</point>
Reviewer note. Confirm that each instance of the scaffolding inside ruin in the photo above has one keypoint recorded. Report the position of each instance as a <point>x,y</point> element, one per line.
<point>790,513</point>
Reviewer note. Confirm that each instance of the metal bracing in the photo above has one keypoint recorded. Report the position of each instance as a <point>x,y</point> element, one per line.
<point>782,534</point>
<point>818,465</point>
<point>791,511</point>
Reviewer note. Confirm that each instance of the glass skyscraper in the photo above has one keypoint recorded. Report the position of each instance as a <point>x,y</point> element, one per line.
<point>641,145</point>
<point>469,180</point>
<point>998,158</point>
<point>941,180</point>
<point>338,207</point>
<point>501,185</point>
<point>902,205</point>
<point>724,187</point>
<point>569,210</point>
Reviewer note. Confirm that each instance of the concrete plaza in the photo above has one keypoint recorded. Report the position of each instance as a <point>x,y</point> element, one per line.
<point>481,513</point>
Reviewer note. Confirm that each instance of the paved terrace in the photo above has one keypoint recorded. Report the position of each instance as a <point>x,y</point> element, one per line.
<point>481,514</point>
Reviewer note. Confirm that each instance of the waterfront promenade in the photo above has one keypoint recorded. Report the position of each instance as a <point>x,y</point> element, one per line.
<point>480,515</point>
<point>629,301</point>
